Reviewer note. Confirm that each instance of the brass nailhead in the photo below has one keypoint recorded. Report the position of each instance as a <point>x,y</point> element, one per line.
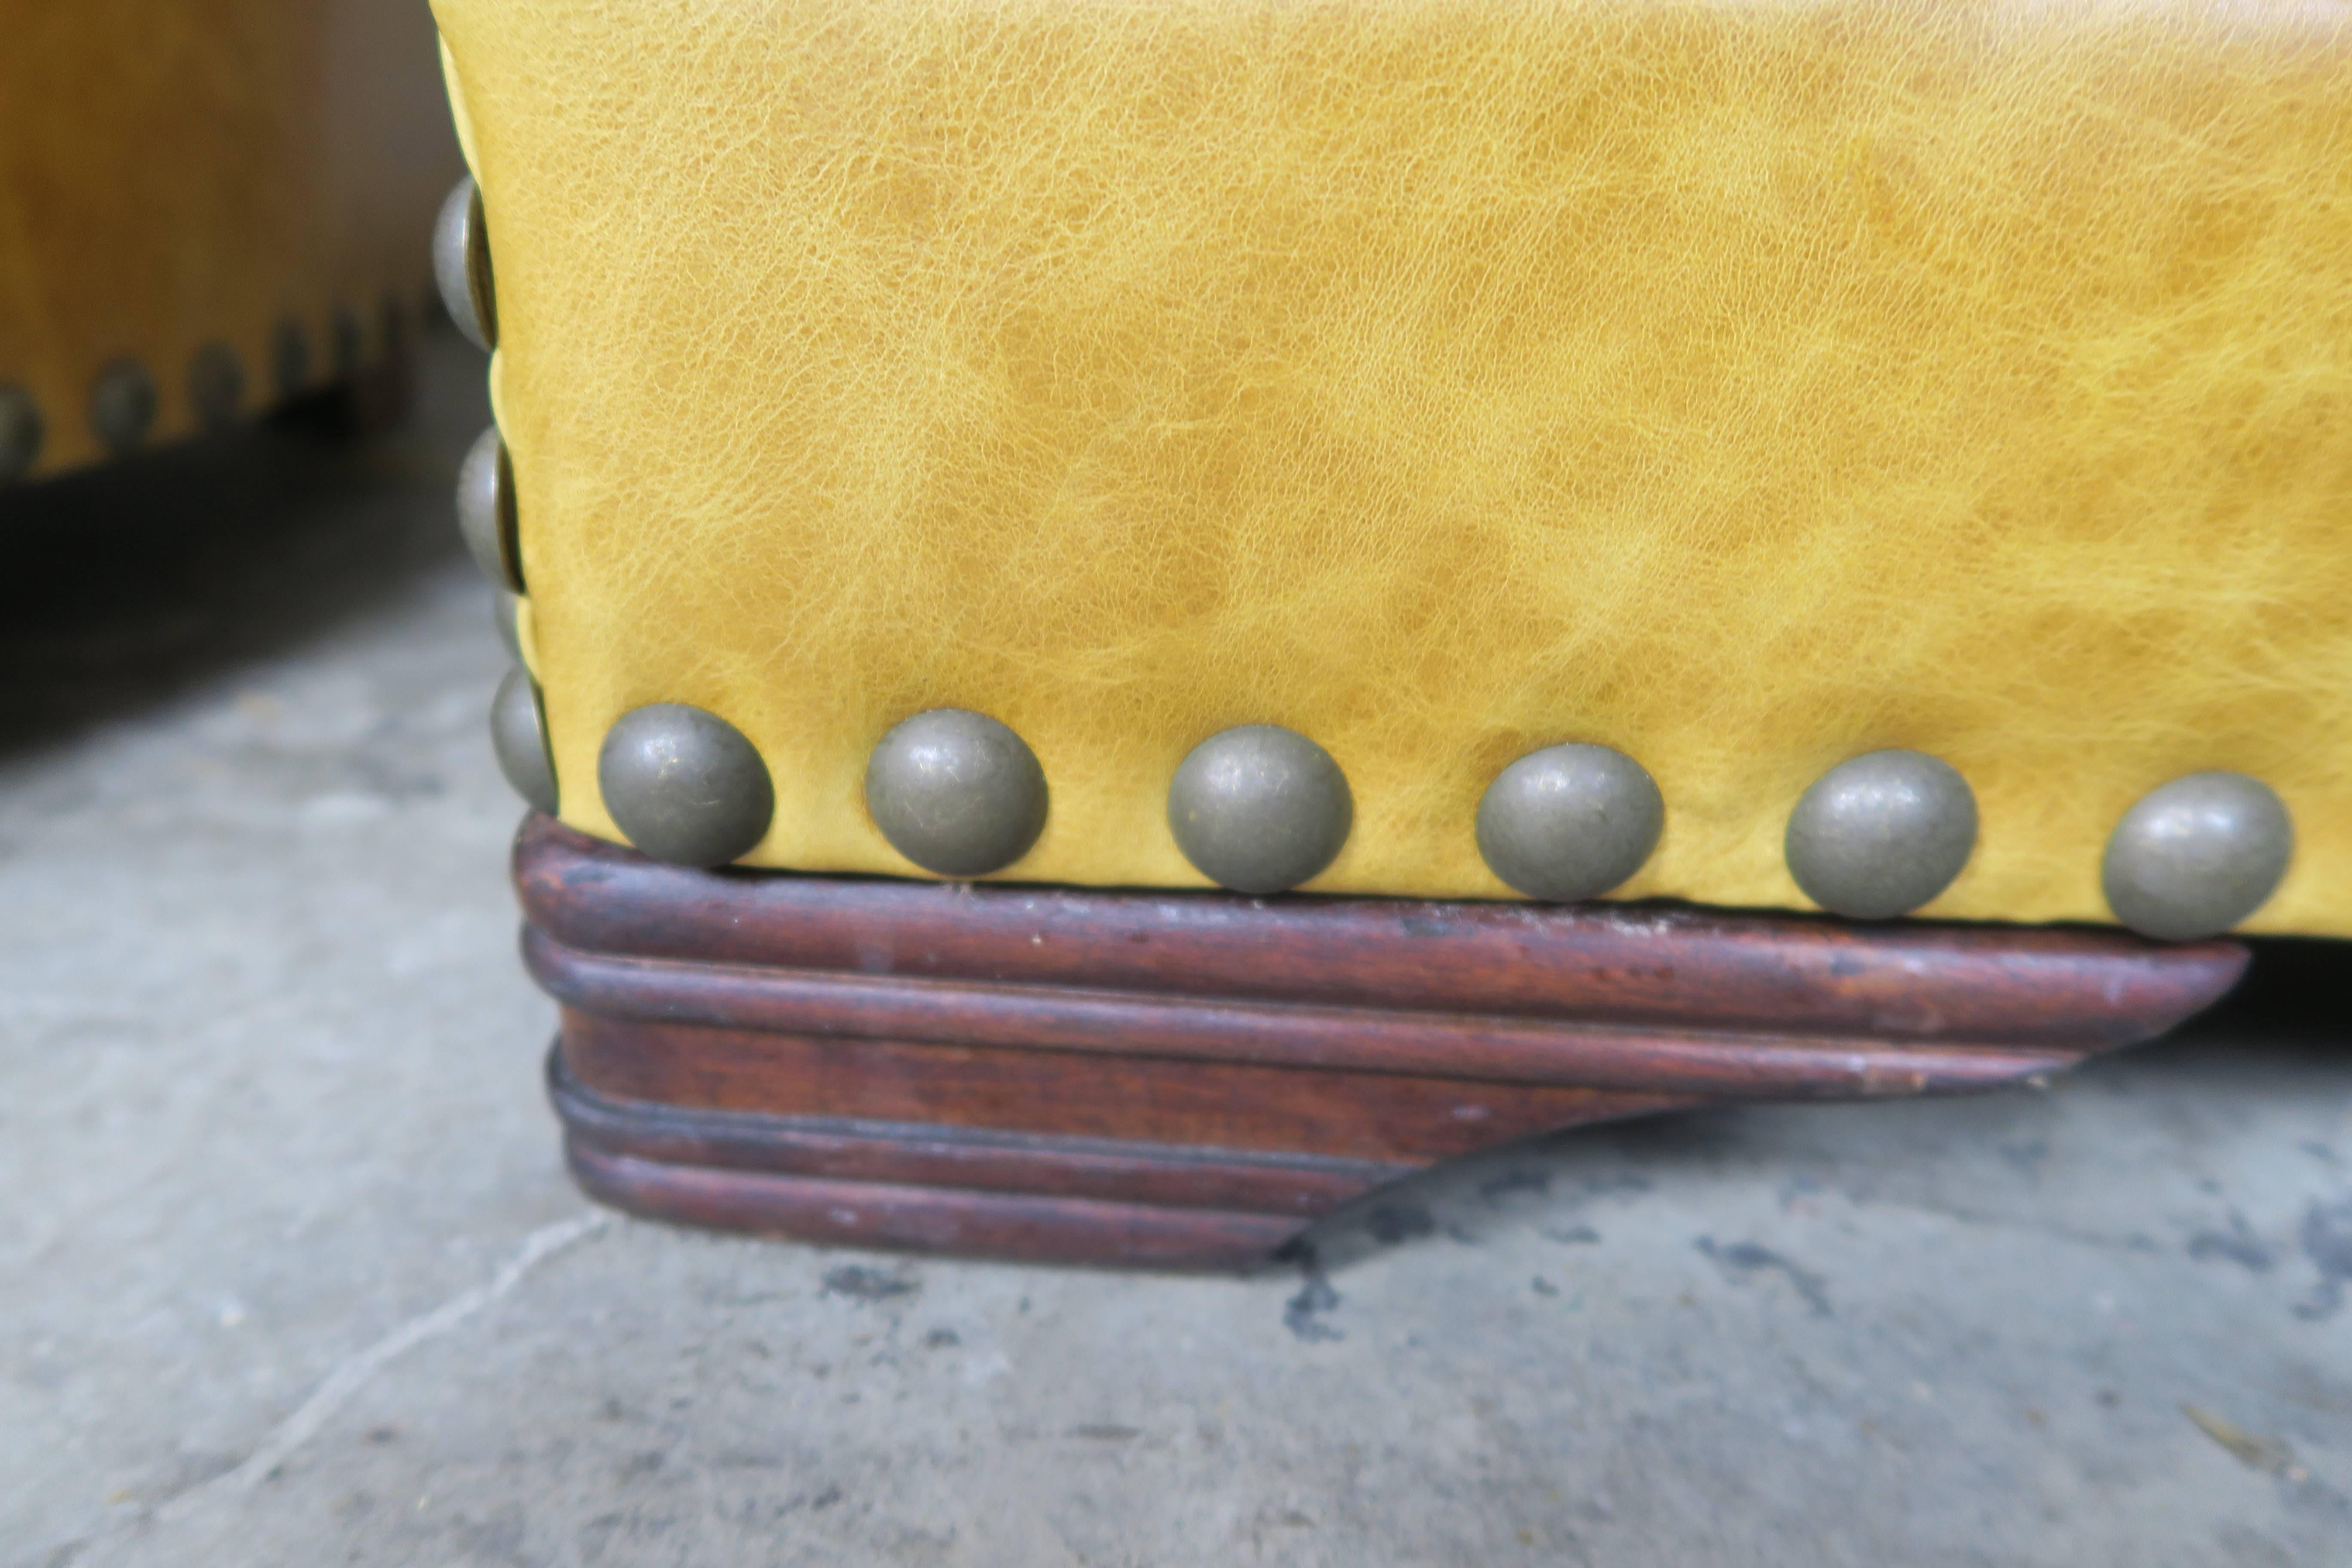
<point>685,785</point>
<point>956,792</point>
<point>461,265</point>
<point>2194,856</point>
<point>486,510</point>
<point>1260,808</point>
<point>1881,833</point>
<point>519,736</point>
<point>1570,821</point>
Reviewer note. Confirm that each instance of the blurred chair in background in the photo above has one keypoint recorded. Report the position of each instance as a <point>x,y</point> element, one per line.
<point>209,208</point>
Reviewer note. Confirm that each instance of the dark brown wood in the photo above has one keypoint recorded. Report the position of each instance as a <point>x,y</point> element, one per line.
<point>1186,1079</point>
<point>1362,1116</point>
<point>1029,1228</point>
<point>1635,963</point>
<point>982,1159</point>
<point>1653,1059</point>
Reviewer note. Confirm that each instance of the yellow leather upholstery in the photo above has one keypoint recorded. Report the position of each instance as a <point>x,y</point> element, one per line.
<point>1744,387</point>
<point>175,172</point>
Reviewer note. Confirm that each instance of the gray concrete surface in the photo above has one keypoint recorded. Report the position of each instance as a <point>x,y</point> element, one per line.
<point>289,1272</point>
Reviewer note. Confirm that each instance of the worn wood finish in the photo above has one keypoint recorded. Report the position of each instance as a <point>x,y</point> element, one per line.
<point>982,1159</point>
<point>1364,1116</point>
<point>1186,1079</point>
<point>1636,964</point>
<point>1653,1059</point>
<point>1029,1227</point>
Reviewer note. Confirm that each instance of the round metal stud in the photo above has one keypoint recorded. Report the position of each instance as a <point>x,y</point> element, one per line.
<point>2195,857</point>
<point>685,785</point>
<point>215,387</point>
<point>486,510</point>
<point>289,358</point>
<point>1259,808</point>
<point>461,265</point>
<point>1570,822</point>
<point>503,608</point>
<point>956,792</point>
<point>519,736</point>
<point>1881,833</point>
<point>20,432</point>
<point>122,406</point>
<point>347,341</point>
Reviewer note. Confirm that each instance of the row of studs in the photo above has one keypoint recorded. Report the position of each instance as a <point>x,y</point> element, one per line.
<point>1261,809</point>
<point>124,401</point>
<point>486,499</point>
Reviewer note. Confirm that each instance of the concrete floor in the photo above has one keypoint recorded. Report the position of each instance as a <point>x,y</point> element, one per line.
<point>292,1275</point>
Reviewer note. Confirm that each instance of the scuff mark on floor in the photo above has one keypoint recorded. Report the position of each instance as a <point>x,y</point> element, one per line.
<point>1747,1257</point>
<point>2328,1242</point>
<point>2238,1245</point>
<point>1304,1313</point>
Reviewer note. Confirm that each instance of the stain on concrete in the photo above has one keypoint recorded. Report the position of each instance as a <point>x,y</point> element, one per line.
<point>2328,1242</point>
<point>1747,1257</point>
<point>2237,1244</point>
<point>1304,1313</point>
<point>2252,1449</point>
<point>860,1283</point>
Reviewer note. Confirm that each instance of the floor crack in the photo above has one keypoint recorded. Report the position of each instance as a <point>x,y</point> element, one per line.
<point>352,1374</point>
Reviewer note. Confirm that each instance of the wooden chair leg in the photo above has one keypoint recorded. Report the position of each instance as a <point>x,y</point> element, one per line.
<point>1187,1080</point>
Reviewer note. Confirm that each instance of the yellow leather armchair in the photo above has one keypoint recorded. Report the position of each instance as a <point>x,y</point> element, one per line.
<point>1744,389</point>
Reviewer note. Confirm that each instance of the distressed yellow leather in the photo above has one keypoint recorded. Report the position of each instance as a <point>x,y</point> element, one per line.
<point>174,172</point>
<point>1741,386</point>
